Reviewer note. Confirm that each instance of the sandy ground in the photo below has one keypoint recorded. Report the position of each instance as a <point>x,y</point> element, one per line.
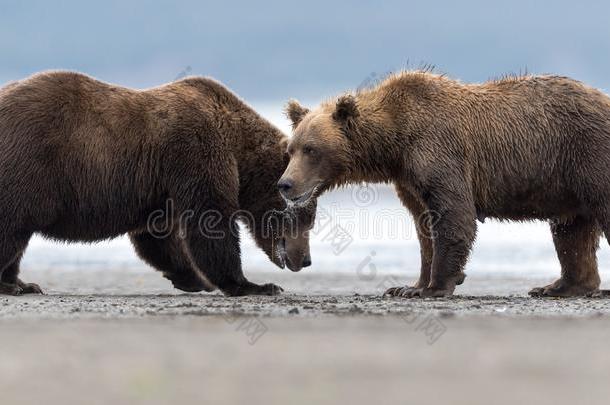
<point>128,338</point>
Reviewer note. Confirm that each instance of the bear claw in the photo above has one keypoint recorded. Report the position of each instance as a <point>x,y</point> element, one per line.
<point>413,292</point>
<point>10,289</point>
<point>271,289</point>
<point>563,290</point>
<point>29,288</point>
<point>599,294</point>
<point>254,289</point>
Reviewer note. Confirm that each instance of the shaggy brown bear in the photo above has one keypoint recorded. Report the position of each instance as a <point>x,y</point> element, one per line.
<point>520,148</point>
<point>82,160</point>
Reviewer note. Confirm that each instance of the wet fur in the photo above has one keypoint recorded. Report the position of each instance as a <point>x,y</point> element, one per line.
<point>518,148</point>
<point>82,160</point>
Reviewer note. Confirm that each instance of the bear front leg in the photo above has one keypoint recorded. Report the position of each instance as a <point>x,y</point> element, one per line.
<point>453,232</point>
<point>422,220</point>
<point>206,202</point>
<point>216,253</point>
<point>166,254</point>
<point>576,242</point>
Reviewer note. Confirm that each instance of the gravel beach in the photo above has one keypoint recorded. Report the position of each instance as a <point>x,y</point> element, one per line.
<point>126,337</point>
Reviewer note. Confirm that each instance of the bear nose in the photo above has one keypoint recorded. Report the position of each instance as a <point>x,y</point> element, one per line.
<point>284,185</point>
<point>306,261</point>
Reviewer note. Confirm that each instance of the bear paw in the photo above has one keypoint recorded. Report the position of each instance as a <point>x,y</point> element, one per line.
<point>269,289</point>
<point>29,288</point>
<point>418,292</point>
<point>562,289</point>
<point>10,289</point>
<point>599,294</point>
<point>253,289</point>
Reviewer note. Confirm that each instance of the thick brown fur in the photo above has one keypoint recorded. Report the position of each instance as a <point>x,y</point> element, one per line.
<point>82,160</point>
<point>519,148</point>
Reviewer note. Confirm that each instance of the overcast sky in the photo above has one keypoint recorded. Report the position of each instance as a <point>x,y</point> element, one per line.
<point>303,49</point>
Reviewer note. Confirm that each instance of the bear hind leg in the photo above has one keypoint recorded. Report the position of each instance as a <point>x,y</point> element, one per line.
<point>576,242</point>
<point>11,251</point>
<point>10,277</point>
<point>167,255</point>
<point>604,220</point>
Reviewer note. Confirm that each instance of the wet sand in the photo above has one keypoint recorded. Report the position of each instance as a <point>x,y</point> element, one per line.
<point>127,337</point>
<point>140,294</point>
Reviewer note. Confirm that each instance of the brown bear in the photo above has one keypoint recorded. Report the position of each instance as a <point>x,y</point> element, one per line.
<point>82,160</point>
<point>519,148</point>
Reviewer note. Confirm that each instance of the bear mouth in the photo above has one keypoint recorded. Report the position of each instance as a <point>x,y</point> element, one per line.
<point>283,260</point>
<point>281,253</point>
<point>304,198</point>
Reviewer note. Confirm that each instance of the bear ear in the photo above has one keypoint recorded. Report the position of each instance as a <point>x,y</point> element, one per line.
<point>295,112</point>
<point>284,149</point>
<point>346,109</point>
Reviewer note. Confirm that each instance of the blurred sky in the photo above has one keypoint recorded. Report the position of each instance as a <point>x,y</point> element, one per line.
<point>270,51</point>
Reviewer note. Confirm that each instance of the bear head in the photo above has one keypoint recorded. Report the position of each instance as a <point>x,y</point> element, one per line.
<point>320,149</point>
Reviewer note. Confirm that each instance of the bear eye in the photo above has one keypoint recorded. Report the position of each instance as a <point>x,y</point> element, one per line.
<point>308,150</point>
